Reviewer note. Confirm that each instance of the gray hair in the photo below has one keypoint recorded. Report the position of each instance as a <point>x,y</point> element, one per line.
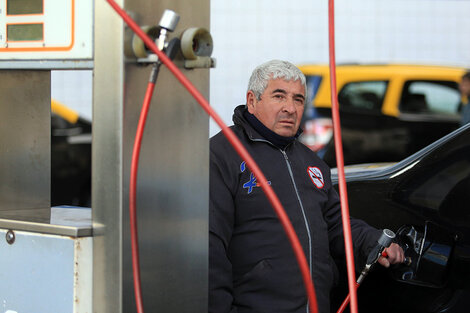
<point>274,69</point>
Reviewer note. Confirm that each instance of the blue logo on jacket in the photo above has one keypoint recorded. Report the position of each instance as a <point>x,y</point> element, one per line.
<point>252,182</point>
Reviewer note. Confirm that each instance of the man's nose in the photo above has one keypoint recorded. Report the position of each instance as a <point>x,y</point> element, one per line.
<point>289,106</point>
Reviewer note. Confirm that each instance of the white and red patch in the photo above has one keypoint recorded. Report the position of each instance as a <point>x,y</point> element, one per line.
<point>316,176</point>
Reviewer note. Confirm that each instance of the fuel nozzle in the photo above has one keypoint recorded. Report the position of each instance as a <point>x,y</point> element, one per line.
<point>167,24</point>
<point>134,47</point>
<point>383,242</point>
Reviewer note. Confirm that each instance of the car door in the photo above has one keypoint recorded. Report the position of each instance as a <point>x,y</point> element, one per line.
<point>424,199</point>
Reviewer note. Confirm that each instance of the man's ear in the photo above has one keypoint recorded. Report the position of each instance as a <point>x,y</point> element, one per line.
<point>250,101</point>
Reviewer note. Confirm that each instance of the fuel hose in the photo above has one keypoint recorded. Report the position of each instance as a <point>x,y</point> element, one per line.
<point>241,151</point>
<point>133,188</point>
<point>340,161</point>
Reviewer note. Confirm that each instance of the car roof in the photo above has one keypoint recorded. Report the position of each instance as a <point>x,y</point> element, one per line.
<point>399,73</point>
<point>384,69</point>
<point>65,112</point>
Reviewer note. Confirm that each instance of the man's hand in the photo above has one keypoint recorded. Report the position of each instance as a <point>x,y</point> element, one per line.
<point>394,254</point>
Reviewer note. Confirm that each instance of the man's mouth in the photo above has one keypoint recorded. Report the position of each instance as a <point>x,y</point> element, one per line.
<point>289,122</point>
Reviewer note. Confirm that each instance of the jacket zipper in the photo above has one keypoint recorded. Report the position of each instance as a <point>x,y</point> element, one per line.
<point>286,158</point>
<point>303,213</point>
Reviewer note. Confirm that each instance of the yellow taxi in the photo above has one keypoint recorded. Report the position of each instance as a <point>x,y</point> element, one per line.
<point>387,111</point>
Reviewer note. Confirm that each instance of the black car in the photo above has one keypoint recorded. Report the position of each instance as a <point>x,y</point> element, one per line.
<point>70,157</point>
<point>425,200</point>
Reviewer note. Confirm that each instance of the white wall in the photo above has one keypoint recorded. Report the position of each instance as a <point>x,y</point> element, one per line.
<point>73,88</point>
<point>249,32</point>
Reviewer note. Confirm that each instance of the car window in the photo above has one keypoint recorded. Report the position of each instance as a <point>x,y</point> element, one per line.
<point>436,187</point>
<point>432,97</point>
<point>364,95</point>
<point>443,183</point>
<point>313,84</point>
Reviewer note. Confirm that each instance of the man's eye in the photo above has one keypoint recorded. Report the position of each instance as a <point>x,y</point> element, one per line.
<point>299,100</point>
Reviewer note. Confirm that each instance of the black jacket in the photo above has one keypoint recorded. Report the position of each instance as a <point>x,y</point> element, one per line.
<point>252,265</point>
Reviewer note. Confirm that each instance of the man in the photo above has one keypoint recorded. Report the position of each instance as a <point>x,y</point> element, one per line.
<point>252,265</point>
<point>465,92</point>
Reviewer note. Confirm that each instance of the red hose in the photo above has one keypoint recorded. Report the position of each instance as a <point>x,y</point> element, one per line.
<point>340,162</point>
<point>346,301</point>
<point>242,152</point>
<point>132,197</point>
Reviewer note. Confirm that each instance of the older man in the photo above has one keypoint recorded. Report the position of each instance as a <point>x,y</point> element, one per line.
<point>252,265</point>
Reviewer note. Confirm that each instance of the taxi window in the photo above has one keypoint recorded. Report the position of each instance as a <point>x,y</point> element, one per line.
<point>433,97</point>
<point>364,95</point>
<point>313,84</point>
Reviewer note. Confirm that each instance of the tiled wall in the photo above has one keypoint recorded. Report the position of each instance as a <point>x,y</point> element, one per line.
<point>74,89</point>
<point>247,33</point>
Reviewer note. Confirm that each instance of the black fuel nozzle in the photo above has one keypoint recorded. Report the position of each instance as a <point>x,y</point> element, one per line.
<point>383,242</point>
<point>170,50</point>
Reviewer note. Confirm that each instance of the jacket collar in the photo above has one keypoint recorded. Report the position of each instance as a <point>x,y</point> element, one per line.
<point>257,131</point>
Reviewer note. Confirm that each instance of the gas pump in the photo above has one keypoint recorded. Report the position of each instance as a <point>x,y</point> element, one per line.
<point>65,259</point>
<point>46,253</point>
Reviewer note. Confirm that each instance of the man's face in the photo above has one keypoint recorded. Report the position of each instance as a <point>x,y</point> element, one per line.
<point>280,107</point>
<point>465,87</point>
